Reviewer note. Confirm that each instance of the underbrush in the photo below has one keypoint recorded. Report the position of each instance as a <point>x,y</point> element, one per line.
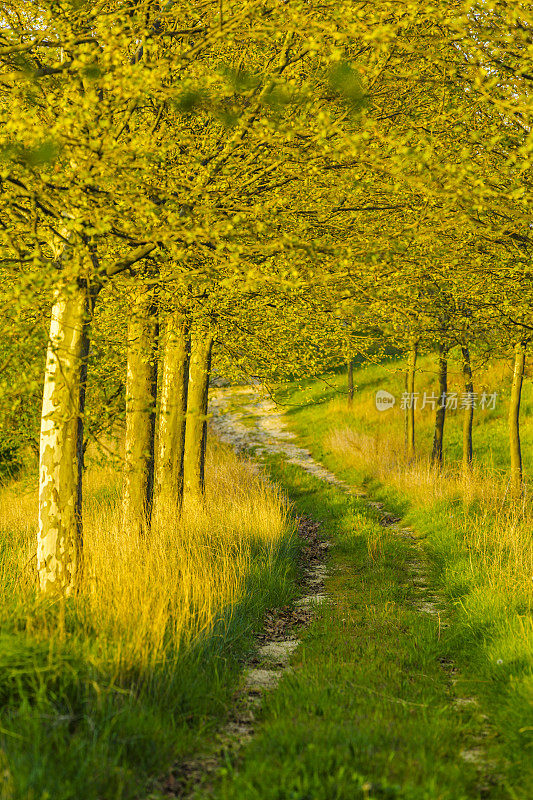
<point>102,690</point>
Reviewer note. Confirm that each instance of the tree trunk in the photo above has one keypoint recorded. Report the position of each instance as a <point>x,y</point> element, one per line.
<point>60,537</point>
<point>172,414</point>
<point>141,395</point>
<point>350,381</point>
<point>438,437</point>
<point>468,418</point>
<point>410,406</point>
<point>514,419</point>
<point>196,428</point>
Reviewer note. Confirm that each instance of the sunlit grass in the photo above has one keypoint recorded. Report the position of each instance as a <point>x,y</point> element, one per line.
<point>495,531</point>
<point>476,536</point>
<point>147,652</point>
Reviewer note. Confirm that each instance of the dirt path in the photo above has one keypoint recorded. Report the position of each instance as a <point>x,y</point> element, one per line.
<point>250,421</point>
<point>246,419</point>
<point>259,426</point>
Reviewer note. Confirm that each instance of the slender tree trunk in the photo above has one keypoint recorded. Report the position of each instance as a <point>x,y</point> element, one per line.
<point>438,437</point>
<point>468,418</point>
<point>172,414</point>
<point>350,381</point>
<point>410,406</point>
<point>514,419</point>
<point>60,537</point>
<point>141,395</point>
<point>196,429</point>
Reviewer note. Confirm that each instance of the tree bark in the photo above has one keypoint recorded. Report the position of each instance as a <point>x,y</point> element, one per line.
<point>438,437</point>
<point>196,428</point>
<point>468,418</point>
<point>514,419</point>
<point>141,396</point>
<point>350,381</point>
<point>410,406</point>
<point>60,537</point>
<point>172,416</point>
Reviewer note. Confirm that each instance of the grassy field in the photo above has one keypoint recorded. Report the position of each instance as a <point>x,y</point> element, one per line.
<point>479,543</point>
<point>107,689</point>
<point>370,709</point>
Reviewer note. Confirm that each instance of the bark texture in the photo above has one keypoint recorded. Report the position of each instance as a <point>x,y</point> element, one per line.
<point>141,395</point>
<point>350,381</point>
<point>168,494</point>
<point>410,406</point>
<point>468,418</point>
<point>196,428</point>
<point>440,416</point>
<point>514,419</point>
<point>60,537</point>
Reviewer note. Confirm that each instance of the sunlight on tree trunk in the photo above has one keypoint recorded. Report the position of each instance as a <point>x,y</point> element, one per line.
<point>438,437</point>
<point>468,418</point>
<point>196,428</point>
<point>168,492</point>
<point>514,419</point>
<point>60,537</point>
<point>410,408</point>
<point>141,394</point>
<point>350,381</point>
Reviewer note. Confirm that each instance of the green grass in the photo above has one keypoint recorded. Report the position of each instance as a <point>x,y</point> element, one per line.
<point>92,708</point>
<point>479,545</point>
<point>368,710</point>
<point>312,403</point>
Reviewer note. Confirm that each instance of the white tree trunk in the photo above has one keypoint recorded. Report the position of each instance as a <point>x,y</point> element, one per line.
<point>514,419</point>
<point>59,544</point>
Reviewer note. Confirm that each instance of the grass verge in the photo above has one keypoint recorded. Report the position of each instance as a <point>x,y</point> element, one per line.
<point>368,711</point>
<point>478,542</point>
<point>100,692</point>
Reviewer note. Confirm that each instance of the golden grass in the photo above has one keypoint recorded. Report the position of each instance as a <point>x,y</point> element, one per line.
<point>157,595</point>
<point>493,529</point>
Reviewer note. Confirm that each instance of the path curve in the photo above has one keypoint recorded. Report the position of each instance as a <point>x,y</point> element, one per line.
<point>261,428</point>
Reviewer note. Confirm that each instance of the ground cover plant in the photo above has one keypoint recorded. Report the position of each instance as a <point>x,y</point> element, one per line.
<point>199,194</point>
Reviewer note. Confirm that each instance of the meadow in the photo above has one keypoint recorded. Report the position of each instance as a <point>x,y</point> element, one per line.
<point>476,536</point>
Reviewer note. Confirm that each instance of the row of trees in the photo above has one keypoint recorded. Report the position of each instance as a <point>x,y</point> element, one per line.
<point>295,192</point>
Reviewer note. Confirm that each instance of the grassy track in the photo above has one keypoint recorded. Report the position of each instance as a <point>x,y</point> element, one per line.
<point>479,544</point>
<point>369,709</point>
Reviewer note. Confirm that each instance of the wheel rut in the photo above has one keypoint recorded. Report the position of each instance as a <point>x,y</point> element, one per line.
<point>259,428</point>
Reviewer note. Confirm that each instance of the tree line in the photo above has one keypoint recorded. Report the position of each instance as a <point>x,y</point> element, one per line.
<point>286,183</point>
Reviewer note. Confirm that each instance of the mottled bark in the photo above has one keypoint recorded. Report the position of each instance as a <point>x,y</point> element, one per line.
<point>514,419</point>
<point>60,537</point>
<point>468,418</point>
<point>141,394</point>
<point>440,416</point>
<point>350,381</point>
<point>410,406</point>
<point>196,428</point>
<point>168,493</point>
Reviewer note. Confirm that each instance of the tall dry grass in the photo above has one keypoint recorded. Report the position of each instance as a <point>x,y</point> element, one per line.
<point>156,595</point>
<point>493,529</point>
<point>101,690</point>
